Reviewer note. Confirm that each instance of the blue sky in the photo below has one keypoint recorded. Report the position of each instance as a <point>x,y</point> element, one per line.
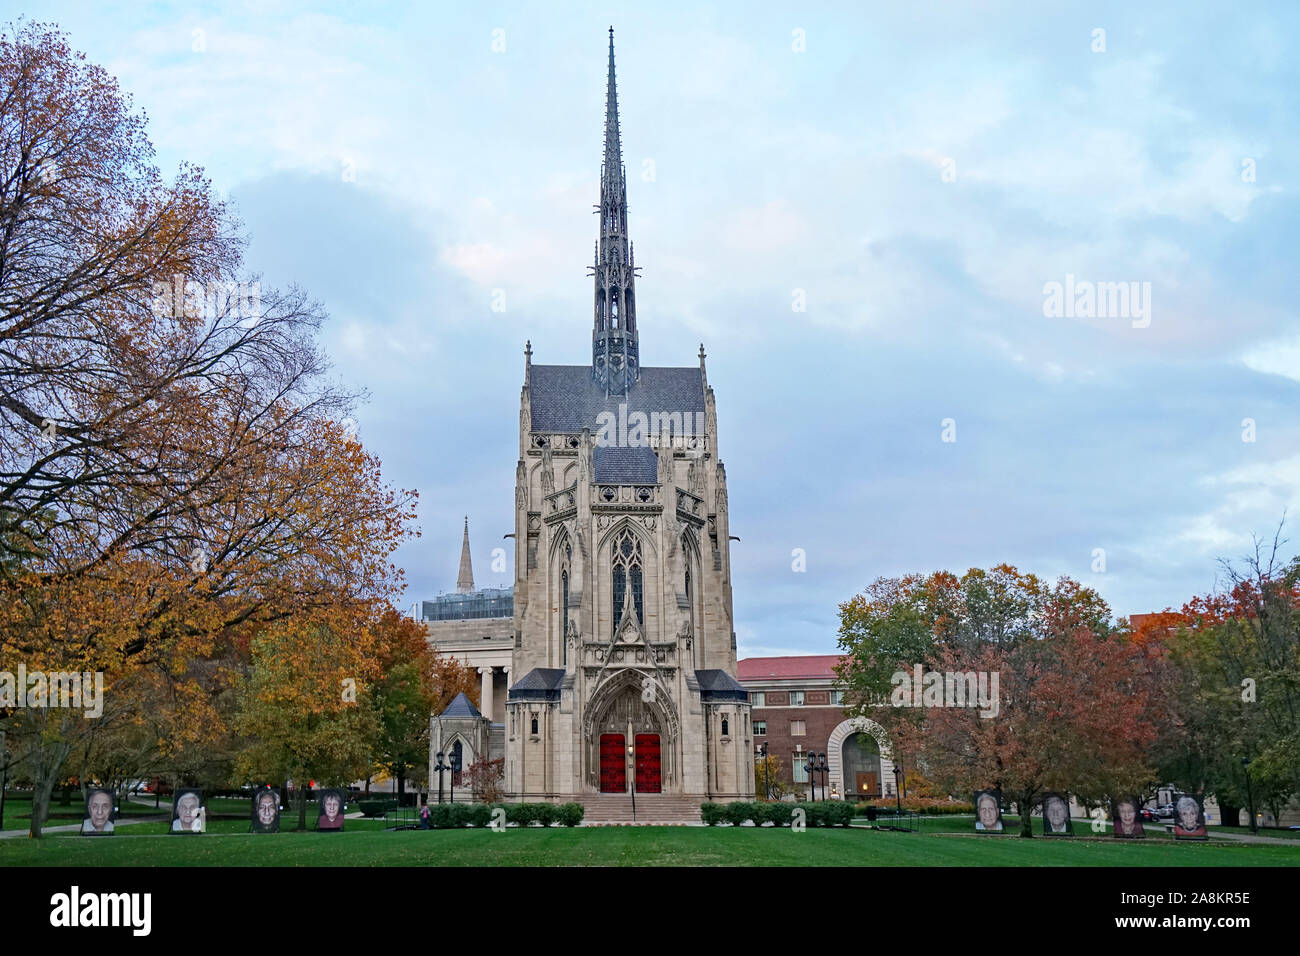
<point>919,171</point>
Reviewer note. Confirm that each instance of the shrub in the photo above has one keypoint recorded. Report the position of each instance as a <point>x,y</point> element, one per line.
<point>738,812</point>
<point>522,813</point>
<point>440,815</point>
<point>486,778</point>
<point>376,808</point>
<point>712,813</point>
<point>547,814</point>
<point>570,814</point>
<point>478,814</point>
<point>839,813</point>
<point>778,813</point>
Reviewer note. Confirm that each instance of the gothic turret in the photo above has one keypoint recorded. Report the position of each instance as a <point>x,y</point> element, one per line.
<point>615,357</point>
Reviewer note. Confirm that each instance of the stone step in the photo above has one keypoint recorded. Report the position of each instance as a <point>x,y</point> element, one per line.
<point>657,808</point>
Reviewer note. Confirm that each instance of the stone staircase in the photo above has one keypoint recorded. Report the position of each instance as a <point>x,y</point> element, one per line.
<point>663,808</point>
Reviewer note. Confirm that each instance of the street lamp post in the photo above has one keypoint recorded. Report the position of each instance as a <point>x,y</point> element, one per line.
<point>760,757</point>
<point>440,766</point>
<point>1250,795</point>
<point>811,768</point>
<point>898,786</point>
<point>823,769</point>
<point>631,756</point>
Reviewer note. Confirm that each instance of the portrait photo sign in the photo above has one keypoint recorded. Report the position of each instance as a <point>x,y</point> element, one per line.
<point>188,814</point>
<point>266,810</point>
<point>988,811</point>
<point>1126,812</point>
<point>330,804</point>
<point>101,811</point>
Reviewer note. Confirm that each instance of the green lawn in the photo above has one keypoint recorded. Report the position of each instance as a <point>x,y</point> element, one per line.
<point>621,846</point>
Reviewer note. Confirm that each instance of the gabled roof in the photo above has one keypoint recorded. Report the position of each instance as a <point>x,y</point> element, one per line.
<point>461,706</point>
<point>794,667</point>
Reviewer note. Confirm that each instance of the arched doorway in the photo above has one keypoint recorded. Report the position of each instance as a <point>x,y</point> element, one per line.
<point>845,783</point>
<point>860,760</point>
<point>631,738</point>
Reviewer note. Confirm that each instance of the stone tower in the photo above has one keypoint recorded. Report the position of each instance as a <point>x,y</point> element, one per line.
<point>625,653</point>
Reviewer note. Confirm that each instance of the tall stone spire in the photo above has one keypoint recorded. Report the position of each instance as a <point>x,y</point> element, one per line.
<point>465,579</point>
<point>615,356</point>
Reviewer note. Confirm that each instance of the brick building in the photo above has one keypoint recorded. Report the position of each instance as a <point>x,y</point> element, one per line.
<point>798,707</point>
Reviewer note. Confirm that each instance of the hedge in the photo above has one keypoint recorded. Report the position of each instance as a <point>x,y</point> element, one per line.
<point>376,808</point>
<point>824,813</point>
<point>928,805</point>
<point>452,816</point>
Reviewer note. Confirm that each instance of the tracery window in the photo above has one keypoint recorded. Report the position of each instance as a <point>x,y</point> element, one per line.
<point>626,562</point>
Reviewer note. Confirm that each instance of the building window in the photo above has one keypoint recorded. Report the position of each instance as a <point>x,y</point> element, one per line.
<point>758,699</point>
<point>534,730</point>
<point>796,698</point>
<point>760,728</point>
<point>564,618</point>
<point>626,560</point>
<point>799,764</point>
<point>726,732</point>
<point>798,728</point>
<point>837,698</point>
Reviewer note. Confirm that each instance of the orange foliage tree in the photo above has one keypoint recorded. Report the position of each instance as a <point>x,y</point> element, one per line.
<point>174,483</point>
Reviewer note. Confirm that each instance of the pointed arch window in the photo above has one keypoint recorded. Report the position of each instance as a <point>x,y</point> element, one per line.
<point>564,617</point>
<point>625,560</point>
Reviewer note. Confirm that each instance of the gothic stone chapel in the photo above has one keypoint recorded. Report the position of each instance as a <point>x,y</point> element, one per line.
<point>624,645</point>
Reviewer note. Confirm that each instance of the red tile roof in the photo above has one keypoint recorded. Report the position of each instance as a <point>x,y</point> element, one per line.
<point>788,668</point>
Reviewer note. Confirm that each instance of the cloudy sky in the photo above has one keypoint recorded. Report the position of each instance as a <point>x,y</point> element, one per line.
<point>857,208</point>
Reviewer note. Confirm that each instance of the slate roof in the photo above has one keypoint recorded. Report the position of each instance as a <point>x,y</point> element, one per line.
<point>460,706</point>
<point>540,683</point>
<point>719,685</point>
<point>566,399</point>
<point>634,465</point>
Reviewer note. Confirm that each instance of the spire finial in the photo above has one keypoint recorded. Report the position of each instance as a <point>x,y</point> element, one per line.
<point>465,577</point>
<point>615,354</point>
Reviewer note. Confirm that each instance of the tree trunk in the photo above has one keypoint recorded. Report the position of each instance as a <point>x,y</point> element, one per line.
<point>302,808</point>
<point>1231,815</point>
<point>1026,818</point>
<point>401,788</point>
<point>45,765</point>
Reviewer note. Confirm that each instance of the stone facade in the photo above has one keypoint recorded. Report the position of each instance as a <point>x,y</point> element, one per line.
<point>625,656</point>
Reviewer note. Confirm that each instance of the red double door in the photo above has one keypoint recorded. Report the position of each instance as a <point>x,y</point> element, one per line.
<point>613,764</point>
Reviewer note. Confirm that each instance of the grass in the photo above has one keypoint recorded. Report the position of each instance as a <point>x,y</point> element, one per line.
<point>366,844</point>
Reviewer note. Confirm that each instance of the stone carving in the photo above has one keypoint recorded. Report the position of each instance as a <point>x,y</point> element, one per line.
<point>548,473</point>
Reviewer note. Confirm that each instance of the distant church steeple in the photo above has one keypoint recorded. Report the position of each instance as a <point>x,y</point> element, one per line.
<point>465,579</point>
<point>615,357</point>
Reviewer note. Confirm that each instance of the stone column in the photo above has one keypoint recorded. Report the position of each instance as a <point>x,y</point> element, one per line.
<point>485,698</point>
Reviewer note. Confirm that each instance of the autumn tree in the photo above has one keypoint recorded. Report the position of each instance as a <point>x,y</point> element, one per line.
<point>300,713</point>
<point>403,697</point>
<point>173,480</point>
<point>1070,710</point>
<point>1234,685</point>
